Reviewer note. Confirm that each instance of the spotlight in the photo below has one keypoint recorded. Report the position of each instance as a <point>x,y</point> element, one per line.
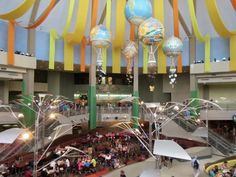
<point>20,115</point>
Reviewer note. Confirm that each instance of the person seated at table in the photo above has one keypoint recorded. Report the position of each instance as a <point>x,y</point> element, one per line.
<point>224,166</point>
<point>212,172</point>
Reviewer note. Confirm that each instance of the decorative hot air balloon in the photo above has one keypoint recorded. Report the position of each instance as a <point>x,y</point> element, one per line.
<point>151,33</point>
<point>100,38</point>
<point>172,48</point>
<point>130,50</point>
<point>136,11</point>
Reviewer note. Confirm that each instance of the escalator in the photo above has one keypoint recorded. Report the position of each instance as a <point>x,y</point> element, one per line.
<point>214,139</point>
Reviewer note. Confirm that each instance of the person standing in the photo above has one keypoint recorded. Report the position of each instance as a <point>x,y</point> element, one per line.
<point>195,164</point>
<point>122,173</point>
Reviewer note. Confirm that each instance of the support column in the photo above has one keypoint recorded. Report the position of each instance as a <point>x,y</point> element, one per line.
<point>193,81</point>
<point>92,91</point>
<point>4,92</point>
<point>31,42</point>
<point>136,93</point>
<point>28,92</point>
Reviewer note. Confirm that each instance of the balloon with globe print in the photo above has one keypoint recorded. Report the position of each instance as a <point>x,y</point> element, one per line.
<point>151,32</point>
<point>173,47</point>
<point>136,11</point>
<point>100,36</point>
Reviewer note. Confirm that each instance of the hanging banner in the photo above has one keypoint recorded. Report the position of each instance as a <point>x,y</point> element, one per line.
<point>206,39</point>
<point>120,33</point>
<point>145,59</point>
<point>176,32</point>
<point>11,43</point>
<point>19,11</point>
<point>77,36</point>
<point>42,17</point>
<point>83,54</point>
<point>233,2</point>
<point>159,14</point>
<point>108,26</point>
<point>221,29</point>
<point>52,48</point>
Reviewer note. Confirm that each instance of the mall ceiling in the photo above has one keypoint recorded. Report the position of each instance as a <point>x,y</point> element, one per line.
<point>57,18</point>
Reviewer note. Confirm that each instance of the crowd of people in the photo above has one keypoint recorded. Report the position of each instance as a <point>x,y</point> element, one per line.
<point>98,151</point>
<point>224,170</point>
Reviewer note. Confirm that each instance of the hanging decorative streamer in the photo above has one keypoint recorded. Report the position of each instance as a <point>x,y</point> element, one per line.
<point>76,36</point>
<point>233,2</point>
<point>83,54</point>
<point>145,59</point>
<point>68,56</point>
<point>69,17</point>
<point>94,14</point>
<point>206,39</point>
<point>132,32</point>
<point>54,36</point>
<point>52,48</point>
<point>84,41</point>
<point>176,32</point>
<point>159,14</point>
<point>119,39</point>
<point>19,11</point>
<point>221,29</point>
<point>108,26</point>
<point>43,16</point>
<point>11,43</point>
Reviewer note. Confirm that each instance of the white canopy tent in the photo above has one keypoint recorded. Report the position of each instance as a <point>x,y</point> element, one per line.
<point>170,148</point>
<point>201,132</point>
<point>9,136</point>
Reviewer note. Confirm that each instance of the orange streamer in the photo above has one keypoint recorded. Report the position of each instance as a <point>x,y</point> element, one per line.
<point>83,54</point>
<point>233,2</point>
<point>176,32</point>
<point>132,32</point>
<point>42,17</point>
<point>11,43</point>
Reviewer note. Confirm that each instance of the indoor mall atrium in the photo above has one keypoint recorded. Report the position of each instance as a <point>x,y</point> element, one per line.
<point>117,88</point>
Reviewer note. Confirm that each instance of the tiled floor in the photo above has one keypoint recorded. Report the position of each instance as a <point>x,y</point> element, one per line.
<point>178,169</point>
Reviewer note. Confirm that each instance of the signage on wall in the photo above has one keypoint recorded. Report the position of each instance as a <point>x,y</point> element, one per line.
<point>234,118</point>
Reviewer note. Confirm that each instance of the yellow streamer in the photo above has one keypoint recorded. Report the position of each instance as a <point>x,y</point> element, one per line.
<point>159,14</point>
<point>221,29</point>
<point>54,36</point>
<point>206,39</point>
<point>68,57</point>
<point>52,48</point>
<point>145,59</point>
<point>69,17</point>
<point>232,62</point>
<point>77,35</point>
<point>19,11</point>
<point>108,26</point>
<point>120,32</point>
